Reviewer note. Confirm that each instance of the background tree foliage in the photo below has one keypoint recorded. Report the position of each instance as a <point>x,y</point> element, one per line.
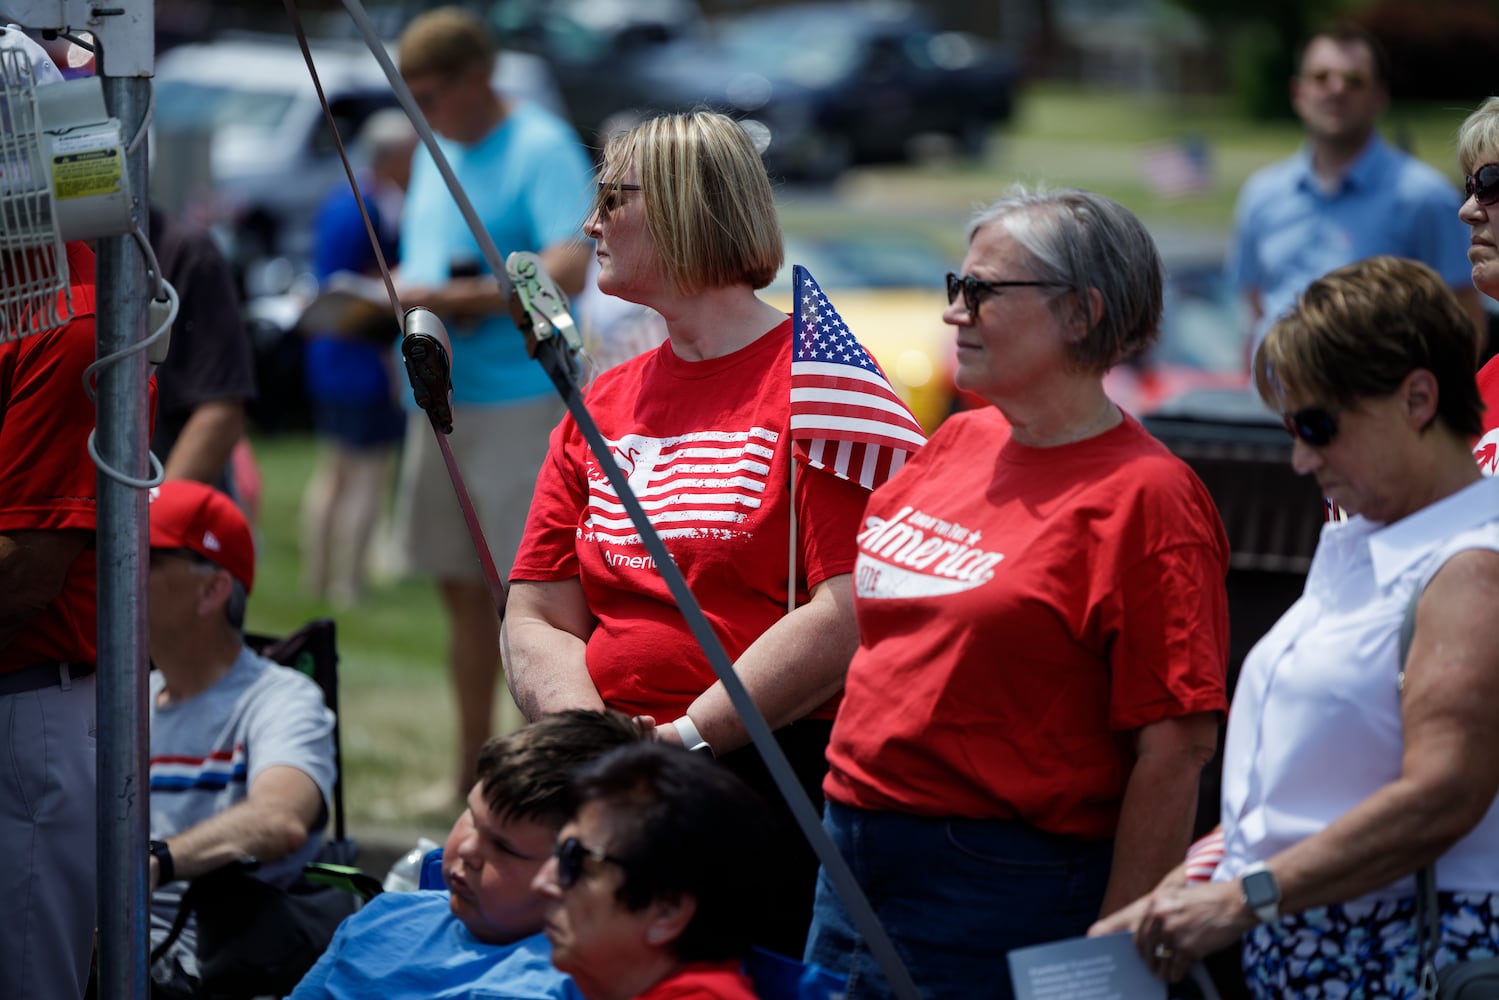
<point>1439,49</point>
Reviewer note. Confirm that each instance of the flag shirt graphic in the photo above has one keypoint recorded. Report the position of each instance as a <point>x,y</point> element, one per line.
<point>704,484</point>
<point>206,751</point>
<point>706,449</point>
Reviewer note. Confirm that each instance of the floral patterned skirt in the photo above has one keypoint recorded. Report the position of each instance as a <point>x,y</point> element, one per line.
<point>1363,951</point>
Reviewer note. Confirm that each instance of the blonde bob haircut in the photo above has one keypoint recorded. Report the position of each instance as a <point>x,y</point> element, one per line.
<point>1357,332</point>
<point>446,42</point>
<point>1478,137</point>
<point>708,204</point>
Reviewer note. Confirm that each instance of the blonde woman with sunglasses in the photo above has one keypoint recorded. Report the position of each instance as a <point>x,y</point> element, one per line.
<point>1478,156</point>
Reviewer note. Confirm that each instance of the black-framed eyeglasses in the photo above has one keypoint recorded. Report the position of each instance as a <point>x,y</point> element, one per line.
<point>975,290</point>
<point>1483,184</point>
<point>1315,425</point>
<point>570,853</point>
<point>609,195</point>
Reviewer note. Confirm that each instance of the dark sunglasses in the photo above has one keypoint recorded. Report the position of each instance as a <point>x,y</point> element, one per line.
<point>610,196</point>
<point>1483,184</point>
<point>1313,424</point>
<point>570,854</point>
<point>975,290</point>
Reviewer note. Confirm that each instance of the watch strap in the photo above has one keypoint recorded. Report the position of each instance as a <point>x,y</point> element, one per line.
<point>1266,910</point>
<point>166,868</point>
<point>691,738</point>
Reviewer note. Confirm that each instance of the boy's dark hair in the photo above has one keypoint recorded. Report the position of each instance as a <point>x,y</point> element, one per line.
<point>525,774</point>
<point>685,825</point>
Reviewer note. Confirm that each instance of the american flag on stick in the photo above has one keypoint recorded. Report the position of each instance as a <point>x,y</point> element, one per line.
<point>845,417</point>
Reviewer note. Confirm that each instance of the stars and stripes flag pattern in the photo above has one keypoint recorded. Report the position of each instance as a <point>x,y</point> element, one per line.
<point>845,417</point>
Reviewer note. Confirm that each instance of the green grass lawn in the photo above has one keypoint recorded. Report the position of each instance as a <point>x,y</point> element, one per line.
<point>1064,136</point>
<point>396,706</point>
<point>397,713</point>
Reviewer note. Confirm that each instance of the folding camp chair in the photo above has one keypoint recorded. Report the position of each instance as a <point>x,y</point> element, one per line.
<point>313,650</point>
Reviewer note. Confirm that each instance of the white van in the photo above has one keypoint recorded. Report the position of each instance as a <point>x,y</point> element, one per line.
<point>239,140</point>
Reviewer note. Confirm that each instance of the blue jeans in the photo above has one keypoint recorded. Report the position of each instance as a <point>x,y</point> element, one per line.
<point>955,896</point>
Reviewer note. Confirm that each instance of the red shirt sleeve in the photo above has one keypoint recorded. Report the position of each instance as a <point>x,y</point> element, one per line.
<point>46,475</point>
<point>828,511</point>
<point>1173,641</point>
<point>549,548</point>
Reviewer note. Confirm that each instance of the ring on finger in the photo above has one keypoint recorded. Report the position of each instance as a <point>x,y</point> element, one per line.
<point>1164,952</point>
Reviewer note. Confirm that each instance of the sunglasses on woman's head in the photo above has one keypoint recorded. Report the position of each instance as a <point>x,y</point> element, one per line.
<point>570,854</point>
<point>1313,424</point>
<point>1483,184</point>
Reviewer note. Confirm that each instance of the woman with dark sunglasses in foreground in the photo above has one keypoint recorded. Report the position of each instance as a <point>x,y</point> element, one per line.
<point>1043,625</point>
<point>1478,156</point>
<point>656,887</point>
<point>1345,771</point>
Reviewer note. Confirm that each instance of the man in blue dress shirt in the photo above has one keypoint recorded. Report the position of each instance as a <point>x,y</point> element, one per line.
<point>1345,195</point>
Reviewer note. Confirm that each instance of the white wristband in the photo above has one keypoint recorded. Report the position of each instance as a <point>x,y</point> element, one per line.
<point>691,738</point>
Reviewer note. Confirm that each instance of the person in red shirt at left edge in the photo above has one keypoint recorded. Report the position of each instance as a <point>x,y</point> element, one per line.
<point>1478,156</point>
<point>47,634</point>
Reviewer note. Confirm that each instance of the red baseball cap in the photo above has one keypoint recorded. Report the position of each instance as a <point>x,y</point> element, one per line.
<point>190,515</point>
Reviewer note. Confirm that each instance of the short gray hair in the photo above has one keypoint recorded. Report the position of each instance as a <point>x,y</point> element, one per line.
<point>1478,137</point>
<point>1085,241</point>
<point>238,601</point>
<point>234,608</point>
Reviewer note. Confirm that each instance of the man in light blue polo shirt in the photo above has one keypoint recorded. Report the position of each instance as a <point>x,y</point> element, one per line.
<point>530,181</point>
<point>1345,195</point>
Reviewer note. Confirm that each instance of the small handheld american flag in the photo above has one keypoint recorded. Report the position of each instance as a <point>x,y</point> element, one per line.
<point>845,417</point>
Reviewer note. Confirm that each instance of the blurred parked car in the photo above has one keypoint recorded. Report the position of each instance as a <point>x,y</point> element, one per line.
<point>243,112</point>
<point>593,48</point>
<point>823,86</point>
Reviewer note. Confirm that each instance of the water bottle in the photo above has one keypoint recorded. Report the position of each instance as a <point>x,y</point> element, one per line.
<point>406,874</point>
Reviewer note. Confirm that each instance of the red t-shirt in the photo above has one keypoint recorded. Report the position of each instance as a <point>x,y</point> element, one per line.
<point>706,448</point>
<point>46,476</point>
<point>703,981</point>
<point>1021,612</point>
<point>1486,450</point>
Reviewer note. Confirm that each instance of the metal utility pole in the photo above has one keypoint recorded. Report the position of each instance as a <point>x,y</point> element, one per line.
<point>125,33</point>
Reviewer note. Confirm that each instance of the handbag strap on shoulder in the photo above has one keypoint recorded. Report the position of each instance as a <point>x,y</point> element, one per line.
<point>1428,909</point>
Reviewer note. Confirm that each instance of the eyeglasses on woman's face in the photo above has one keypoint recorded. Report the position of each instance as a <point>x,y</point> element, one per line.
<point>610,199</point>
<point>1316,425</point>
<point>1483,184</point>
<point>570,854</point>
<point>975,290</point>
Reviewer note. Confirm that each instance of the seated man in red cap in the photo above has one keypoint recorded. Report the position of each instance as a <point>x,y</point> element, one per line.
<point>241,748</point>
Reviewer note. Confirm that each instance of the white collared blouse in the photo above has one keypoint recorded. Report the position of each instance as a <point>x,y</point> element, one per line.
<point>1315,726</point>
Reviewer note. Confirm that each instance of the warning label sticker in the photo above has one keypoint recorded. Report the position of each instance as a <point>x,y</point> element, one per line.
<point>87,174</point>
